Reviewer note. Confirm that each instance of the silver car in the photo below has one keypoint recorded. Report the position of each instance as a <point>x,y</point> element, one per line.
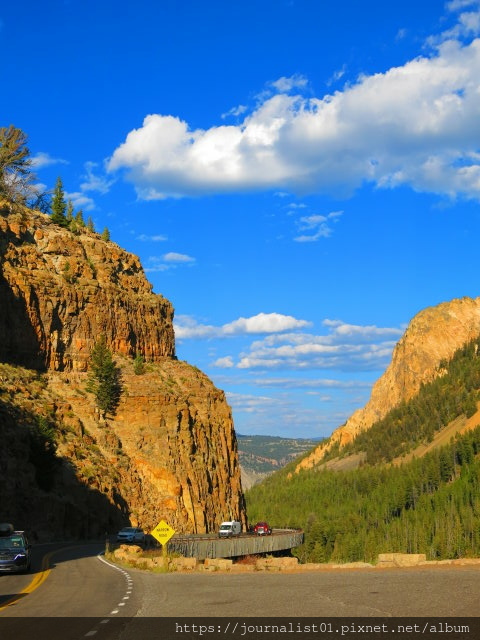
<point>131,534</point>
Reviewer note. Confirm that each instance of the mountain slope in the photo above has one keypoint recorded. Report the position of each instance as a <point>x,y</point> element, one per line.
<point>433,336</point>
<point>410,483</point>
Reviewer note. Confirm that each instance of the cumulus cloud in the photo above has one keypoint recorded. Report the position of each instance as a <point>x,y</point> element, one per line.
<point>187,328</point>
<point>414,125</point>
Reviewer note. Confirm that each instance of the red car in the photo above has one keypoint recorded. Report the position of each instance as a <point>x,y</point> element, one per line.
<point>262,529</point>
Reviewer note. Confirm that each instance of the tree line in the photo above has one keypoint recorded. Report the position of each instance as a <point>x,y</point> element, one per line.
<point>18,185</point>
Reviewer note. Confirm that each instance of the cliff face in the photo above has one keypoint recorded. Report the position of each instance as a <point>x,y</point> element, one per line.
<point>433,335</point>
<point>60,291</point>
<point>170,452</point>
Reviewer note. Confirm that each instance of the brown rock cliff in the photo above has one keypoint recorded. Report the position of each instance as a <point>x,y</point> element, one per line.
<point>170,452</point>
<point>60,291</point>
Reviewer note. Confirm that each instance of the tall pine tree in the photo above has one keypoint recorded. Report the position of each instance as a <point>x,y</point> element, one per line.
<point>104,378</point>
<point>59,204</point>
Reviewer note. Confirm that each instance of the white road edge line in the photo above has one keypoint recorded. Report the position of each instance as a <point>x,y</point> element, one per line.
<point>127,577</point>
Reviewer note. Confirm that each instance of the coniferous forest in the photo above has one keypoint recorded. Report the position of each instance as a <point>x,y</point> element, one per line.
<point>429,505</point>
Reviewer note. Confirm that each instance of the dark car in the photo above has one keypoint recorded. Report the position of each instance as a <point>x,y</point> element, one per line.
<point>15,550</point>
<point>262,529</point>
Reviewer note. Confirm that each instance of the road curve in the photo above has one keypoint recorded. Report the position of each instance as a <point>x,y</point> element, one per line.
<point>86,597</point>
<point>71,590</point>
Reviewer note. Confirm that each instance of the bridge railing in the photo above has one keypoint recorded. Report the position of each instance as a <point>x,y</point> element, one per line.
<point>210,546</point>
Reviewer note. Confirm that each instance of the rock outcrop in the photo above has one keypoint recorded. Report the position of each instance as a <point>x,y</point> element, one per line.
<point>60,291</point>
<point>170,450</point>
<point>433,335</point>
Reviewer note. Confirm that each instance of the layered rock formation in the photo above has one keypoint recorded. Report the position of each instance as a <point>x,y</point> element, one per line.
<point>433,335</point>
<point>170,452</point>
<point>60,291</point>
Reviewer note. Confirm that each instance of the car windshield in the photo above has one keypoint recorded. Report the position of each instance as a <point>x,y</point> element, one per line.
<point>225,527</point>
<point>10,542</point>
<point>128,530</point>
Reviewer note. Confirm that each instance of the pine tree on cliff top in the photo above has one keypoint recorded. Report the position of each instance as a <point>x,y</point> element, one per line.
<point>104,378</point>
<point>59,204</point>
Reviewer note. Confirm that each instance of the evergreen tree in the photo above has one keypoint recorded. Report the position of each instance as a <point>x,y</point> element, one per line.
<point>79,218</point>
<point>139,365</point>
<point>104,378</point>
<point>90,224</point>
<point>106,234</point>
<point>59,205</point>
<point>69,213</point>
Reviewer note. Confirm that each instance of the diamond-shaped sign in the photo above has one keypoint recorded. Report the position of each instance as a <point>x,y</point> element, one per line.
<point>162,532</point>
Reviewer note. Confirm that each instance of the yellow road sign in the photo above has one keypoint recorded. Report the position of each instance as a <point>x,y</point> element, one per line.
<point>162,532</point>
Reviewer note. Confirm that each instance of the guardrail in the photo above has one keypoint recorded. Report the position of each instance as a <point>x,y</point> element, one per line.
<point>210,546</point>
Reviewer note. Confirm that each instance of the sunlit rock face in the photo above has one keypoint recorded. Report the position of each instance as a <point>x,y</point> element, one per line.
<point>170,450</point>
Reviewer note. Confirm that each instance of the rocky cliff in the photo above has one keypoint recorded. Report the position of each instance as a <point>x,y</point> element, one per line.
<point>433,335</point>
<point>169,452</point>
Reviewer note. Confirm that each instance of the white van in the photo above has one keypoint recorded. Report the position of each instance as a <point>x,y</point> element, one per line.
<point>230,529</point>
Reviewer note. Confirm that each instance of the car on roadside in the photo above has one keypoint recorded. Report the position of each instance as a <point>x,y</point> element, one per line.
<point>15,550</point>
<point>131,534</point>
<point>262,529</point>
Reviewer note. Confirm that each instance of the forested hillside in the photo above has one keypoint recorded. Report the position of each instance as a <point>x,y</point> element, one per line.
<point>429,505</point>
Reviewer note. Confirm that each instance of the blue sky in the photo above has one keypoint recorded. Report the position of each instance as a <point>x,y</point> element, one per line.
<point>298,177</point>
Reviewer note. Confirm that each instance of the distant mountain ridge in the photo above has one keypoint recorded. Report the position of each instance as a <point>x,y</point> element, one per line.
<point>260,456</point>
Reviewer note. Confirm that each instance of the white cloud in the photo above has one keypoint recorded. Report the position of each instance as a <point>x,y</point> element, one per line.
<point>346,347</point>
<point>80,200</point>
<point>252,403</point>
<point>177,257</point>
<point>467,25</point>
<point>317,226</point>
<point>413,125</point>
<point>169,260</point>
<point>93,181</point>
<point>43,159</point>
<point>157,238</point>
<point>285,85</point>
<point>311,383</point>
<point>263,323</point>
<point>337,75</point>
<point>224,363</point>
<point>235,111</point>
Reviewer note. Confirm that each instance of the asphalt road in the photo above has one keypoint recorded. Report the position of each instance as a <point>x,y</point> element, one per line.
<point>82,596</point>
<point>375,592</point>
